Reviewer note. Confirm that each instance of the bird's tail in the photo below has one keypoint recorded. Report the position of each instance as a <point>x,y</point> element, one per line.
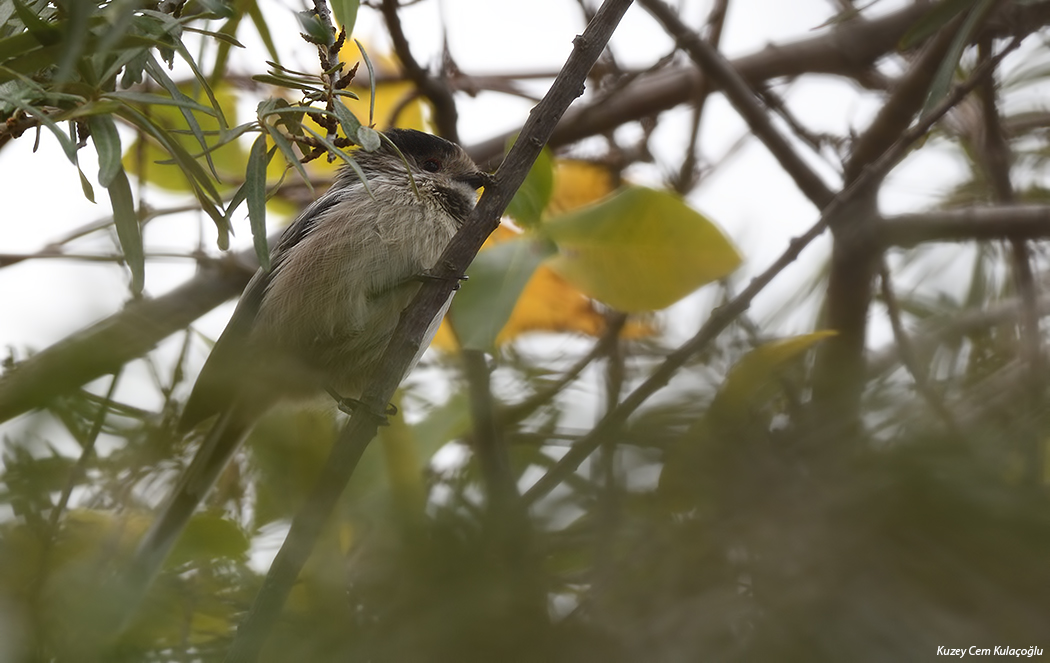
<point>219,444</point>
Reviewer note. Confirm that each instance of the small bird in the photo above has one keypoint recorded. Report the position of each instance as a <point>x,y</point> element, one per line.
<point>319,320</point>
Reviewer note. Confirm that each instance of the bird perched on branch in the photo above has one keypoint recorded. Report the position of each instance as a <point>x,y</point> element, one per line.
<point>320,318</point>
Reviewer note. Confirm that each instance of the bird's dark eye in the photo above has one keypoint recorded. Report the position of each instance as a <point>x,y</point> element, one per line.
<point>432,165</point>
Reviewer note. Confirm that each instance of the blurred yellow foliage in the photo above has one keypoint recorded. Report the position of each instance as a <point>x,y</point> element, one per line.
<point>578,183</point>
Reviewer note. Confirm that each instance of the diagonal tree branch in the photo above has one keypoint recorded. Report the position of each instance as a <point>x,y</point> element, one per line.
<point>109,344</point>
<point>407,338</point>
<point>744,100</point>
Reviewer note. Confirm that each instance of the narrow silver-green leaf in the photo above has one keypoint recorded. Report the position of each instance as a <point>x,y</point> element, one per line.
<point>128,231</point>
<point>345,12</point>
<point>314,28</point>
<point>157,73</point>
<point>255,195</point>
<point>289,154</point>
<point>107,143</point>
<point>350,123</point>
<point>286,81</point>
<point>371,83</point>
<point>229,39</point>
<point>75,32</point>
<point>345,157</point>
<point>942,80</point>
<point>189,165</point>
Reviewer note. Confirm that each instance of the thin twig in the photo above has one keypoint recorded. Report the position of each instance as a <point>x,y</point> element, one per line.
<point>909,357</point>
<point>950,329</point>
<point>511,414</point>
<point>446,117</point>
<point>486,440</point>
<point>744,100</point>
<point>688,173</point>
<point>87,451</point>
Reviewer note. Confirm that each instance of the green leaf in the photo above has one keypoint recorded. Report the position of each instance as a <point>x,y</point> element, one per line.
<point>44,33</point>
<point>222,51</point>
<point>255,194</point>
<point>16,45</point>
<point>198,179</point>
<point>345,12</point>
<point>208,536</point>
<point>332,149</point>
<point>217,8</point>
<point>85,186</point>
<point>288,82</point>
<point>221,36</point>
<point>289,154</point>
<point>942,80</point>
<point>128,231</point>
<point>75,32</point>
<point>497,277</point>
<point>535,192</point>
<point>639,249</point>
<point>196,175</point>
<point>157,73</point>
<point>371,83</point>
<point>107,143</point>
<point>368,139</point>
<point>315,28</point>
<point>350,123</point>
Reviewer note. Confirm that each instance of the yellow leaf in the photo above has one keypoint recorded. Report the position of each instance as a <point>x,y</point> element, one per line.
<point>549,303</point>
<point>755,376</point>
<point>639,249</point>
<point>578,183</point>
